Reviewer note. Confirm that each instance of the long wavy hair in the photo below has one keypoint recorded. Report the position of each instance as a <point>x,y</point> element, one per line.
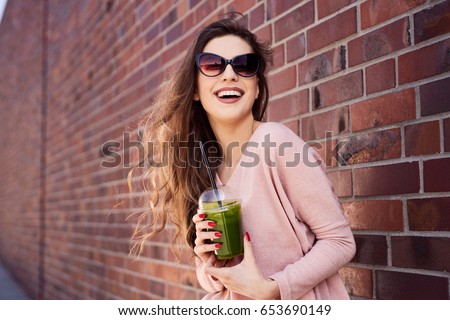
<point>173,175</point>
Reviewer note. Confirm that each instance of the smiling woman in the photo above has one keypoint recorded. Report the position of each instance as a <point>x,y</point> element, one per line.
<point>299,235</point>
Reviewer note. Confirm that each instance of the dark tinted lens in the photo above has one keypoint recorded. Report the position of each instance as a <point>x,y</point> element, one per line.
<point>211,65</point>
<point>246,65</point>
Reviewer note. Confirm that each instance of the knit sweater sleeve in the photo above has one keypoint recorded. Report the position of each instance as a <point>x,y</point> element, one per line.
<point>206,281</point>
<point>306,187</point>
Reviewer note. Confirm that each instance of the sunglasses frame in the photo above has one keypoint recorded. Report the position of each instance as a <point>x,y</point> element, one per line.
<point>198,56</point>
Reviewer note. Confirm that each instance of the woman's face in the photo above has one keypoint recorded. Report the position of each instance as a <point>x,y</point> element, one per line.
<point>213,91</point>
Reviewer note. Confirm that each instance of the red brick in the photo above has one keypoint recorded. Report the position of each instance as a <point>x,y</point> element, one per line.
<point>392,285</point>
<point>240,6</point>
<point>293,125</point>
<point>436,175</point>
<point>317,126</point>
<point>401,178</point>
<point>429,253</point>
<point>321,66</point>
<point>288,106</point>
<point>447,134</point>
<point>422,138</point>
<point>434,97</point>
<point>265,34</point>
<point>342,182</point>
<point>332,30</point>
<point>424,62</point>
<point>429,214</point>
<point>276,8</point>
<point>432,22</point>
<point>295,48</point>
<point>327,150</point>
<point>257,17</point>
<point>283,80</point>
<point>327,7</point>
<point>278,56</point>
<point>376,11</point>
<point>391,108</point>
<point>370,250</point>
<point>380,76</point>
<point>358,281</point>
<point>378,43</point>
<point>294,21</point>
<point>375,215</point>
<point>374,146</point>
<point>341,89</point>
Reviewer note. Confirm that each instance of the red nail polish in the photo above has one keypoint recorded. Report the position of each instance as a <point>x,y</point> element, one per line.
<point>218,234</point>
<point>201,216</point>
<point>212,224</point>
<point>218,246</point>
<point>247,236</point>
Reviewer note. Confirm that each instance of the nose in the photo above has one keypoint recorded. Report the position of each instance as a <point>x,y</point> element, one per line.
<point>229,74</point>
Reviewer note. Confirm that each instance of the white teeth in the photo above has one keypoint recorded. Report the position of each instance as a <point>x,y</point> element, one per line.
<point>229,93</point>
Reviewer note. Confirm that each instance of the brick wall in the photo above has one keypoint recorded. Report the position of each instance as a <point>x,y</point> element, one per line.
<point>362,80</point>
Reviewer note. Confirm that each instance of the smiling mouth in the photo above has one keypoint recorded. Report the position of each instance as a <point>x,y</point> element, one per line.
<point>231,94</point>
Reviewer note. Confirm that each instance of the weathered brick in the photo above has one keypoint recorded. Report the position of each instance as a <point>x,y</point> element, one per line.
<point>336,28</point>
<point>435,175</point>
<point>379,42</point>
<point>447,134</point>
<point>288,106</point>
<point>341,89</point>
<point>434,97</point>
<point>368,147</point>
<point>283,80</point>
<point>278,56</point>
<point>392,285</point>
<point>432,22</point>
<point>401,178</point>
<point>342,182</point>
<point>358,281</point>
<point>424,62</point>
<point>429,214</point>
<point>327,7</point>
<point>276,8</point>
<point>380,76</point>
<point>370,250</point>
<point>374,12</point>
<point>333,122</point>
<point>429,253</point>
<point>295,48</point>
<point>294,21</point>
<point>321,66</point>
<point>374,113</point>
<point>422,138</point>
<point>374,214</point>
<point>257,17</point>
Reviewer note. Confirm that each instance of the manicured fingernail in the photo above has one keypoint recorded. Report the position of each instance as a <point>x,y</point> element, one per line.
<point>211,224</point>
<point>218,246</point>
<point>247,236</point>
<point>217,234</point>
<point>201,216</point>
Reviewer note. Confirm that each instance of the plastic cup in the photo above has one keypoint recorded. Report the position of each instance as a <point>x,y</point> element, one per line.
<point>228,219</point>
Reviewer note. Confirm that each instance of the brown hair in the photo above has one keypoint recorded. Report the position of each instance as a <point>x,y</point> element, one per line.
<point>175,127</point>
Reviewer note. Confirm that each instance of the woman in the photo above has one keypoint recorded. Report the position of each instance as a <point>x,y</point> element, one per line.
<point>296,236</point>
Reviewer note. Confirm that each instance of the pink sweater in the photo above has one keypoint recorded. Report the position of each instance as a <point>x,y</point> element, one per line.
<point>299,234</point>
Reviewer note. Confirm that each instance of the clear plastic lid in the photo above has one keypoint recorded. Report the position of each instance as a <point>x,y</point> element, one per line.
<point>209,199</point>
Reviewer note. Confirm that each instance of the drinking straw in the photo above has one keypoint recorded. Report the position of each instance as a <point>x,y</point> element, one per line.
<point>205,158</point>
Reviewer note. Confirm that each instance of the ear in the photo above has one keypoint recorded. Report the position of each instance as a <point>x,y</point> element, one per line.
<point>196,97</point>
<point>257,91</point>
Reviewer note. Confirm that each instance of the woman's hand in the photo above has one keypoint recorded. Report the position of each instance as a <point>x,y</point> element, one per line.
<point>245,278</point>
<point>204,249</point>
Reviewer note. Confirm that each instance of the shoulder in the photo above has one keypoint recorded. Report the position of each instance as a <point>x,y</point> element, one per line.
<point>275,132</point>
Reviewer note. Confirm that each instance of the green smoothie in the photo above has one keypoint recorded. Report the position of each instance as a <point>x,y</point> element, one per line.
<point>228,222</point>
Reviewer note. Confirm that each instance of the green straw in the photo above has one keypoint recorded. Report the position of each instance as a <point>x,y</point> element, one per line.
<point>205,158</point>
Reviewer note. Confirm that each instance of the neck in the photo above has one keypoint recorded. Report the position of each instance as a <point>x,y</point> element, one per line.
<point>232,136</point>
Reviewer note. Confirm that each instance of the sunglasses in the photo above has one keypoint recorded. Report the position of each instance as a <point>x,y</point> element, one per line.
<point>211,65</point>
